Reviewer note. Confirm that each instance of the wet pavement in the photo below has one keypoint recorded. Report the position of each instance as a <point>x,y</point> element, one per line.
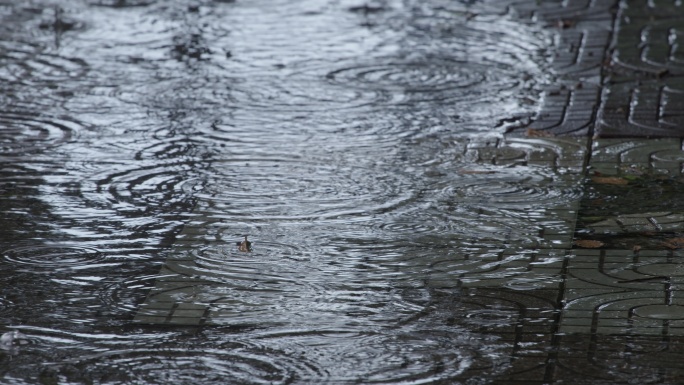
<point>620,69</point>
<point>560,306</point>
<point>543,249</point>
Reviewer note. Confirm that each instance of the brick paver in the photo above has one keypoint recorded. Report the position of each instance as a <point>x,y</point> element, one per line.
<point>643,82</point>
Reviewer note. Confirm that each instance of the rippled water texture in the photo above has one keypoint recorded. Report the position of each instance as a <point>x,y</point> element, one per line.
<point>338,135</point>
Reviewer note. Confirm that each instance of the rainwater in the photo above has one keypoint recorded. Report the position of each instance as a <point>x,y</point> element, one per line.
<point>337,135</point>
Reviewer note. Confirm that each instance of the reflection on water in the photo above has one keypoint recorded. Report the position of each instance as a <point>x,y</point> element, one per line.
<point>342,137</point>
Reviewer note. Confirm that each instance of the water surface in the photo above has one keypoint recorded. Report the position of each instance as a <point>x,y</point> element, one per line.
<point>343,137</point>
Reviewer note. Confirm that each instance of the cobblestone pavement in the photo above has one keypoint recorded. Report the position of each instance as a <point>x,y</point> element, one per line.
<point>619,68</point>
<point>599,299</point>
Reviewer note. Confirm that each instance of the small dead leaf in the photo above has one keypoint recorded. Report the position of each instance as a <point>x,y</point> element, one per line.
<point>244,246</point>
<point>614,180</point>
<point>674,243</point>
<point>588,243</point>
<point>532,133</point>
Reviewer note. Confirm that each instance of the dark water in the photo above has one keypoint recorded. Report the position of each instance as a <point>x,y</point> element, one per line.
<point>335,134</point>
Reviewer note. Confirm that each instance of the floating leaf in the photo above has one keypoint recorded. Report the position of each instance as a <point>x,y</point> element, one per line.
<point>588,243</point>
<point>244,246</point>
<point>614,180</point>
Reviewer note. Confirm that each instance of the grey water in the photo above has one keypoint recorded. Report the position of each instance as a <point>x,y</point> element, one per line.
<point>333,133</point>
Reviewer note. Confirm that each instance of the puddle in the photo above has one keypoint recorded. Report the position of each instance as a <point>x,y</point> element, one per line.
<point>397,235</point>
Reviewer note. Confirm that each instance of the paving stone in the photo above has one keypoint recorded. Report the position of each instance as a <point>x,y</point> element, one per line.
<point>644,78</point>
<point>644,152</point>
<point>630,85</point>
<point>651,187</point>
<point>567,111</point>
<point>632,294</point>
<point>583,34</point>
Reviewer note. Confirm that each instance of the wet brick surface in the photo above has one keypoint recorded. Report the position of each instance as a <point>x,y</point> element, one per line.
<point>644,84</point>
<point>619,71</point>
<point>583,33</point>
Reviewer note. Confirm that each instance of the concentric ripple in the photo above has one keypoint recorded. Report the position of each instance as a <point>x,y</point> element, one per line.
<point>434,76</point>
<point>154,185</point>
<point>272,249</point>
<point>402,357</point>
<point>287,189</point>
<point>188,366</point>
<point>30,64</point>
<point>54,257</point>
<point>299,96</point>
<point>513,188</point>
<point>162,357</point>
<point>373,131</point>
<point>125,296</point>
<point>413,225</point>
<point>24,132</point>
<point>411,359</point>
<point>271,267</point>
<point>312,86</point>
